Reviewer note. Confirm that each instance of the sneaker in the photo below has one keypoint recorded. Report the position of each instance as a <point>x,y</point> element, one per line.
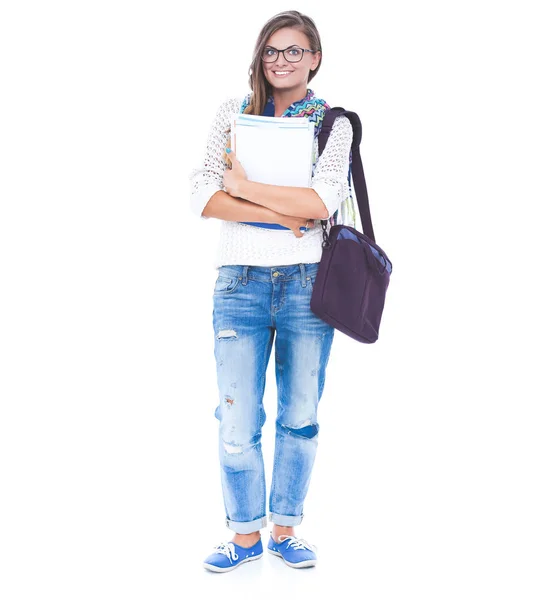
<point>229,555</point>
<point>296,552</point>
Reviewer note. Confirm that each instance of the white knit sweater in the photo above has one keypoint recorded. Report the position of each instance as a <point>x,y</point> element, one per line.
<point>241,244</point>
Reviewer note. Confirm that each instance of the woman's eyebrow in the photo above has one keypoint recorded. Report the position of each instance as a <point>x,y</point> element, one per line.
<point>273,47</point>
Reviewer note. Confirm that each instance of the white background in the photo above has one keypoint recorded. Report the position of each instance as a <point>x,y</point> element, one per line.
<point>429,478</point>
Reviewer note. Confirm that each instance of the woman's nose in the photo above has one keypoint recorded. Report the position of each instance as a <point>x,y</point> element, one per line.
<point>281,61</point>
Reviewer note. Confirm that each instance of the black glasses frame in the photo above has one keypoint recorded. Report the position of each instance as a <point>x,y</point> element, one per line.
<point>274,58</point>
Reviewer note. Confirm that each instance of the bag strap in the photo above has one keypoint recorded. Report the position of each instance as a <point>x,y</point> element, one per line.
<point>361,190</point>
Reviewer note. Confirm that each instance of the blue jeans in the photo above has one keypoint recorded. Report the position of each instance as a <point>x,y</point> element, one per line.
<point>250,304</point>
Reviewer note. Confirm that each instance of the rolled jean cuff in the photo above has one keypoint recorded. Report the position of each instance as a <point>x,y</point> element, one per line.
<point>247,526</point>
<point>285,520</point>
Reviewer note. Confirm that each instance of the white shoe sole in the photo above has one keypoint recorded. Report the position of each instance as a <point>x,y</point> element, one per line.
<point>224,569</point>
<point>299,565</point>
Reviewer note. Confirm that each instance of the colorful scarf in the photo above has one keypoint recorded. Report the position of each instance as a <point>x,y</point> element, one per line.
<point>314,108</point>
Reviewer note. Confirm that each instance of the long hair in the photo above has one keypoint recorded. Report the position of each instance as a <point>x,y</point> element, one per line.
<point>261,88</point>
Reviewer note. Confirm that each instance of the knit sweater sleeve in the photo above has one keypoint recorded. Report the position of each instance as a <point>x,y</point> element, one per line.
<point>332,168</point>
<point>207,179</point>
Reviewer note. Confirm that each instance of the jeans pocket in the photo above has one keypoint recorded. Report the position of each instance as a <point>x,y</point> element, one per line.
<point>226,284</point>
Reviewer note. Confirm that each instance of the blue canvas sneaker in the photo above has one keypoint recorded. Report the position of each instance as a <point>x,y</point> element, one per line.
<point>229,555</point>
<point>296,552</point>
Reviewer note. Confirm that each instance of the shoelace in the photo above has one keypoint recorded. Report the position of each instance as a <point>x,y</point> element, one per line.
<point>297,543</point>
<point>228,549</point>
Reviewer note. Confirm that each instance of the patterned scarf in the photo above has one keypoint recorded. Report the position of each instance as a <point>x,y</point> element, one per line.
<point>314,108</point>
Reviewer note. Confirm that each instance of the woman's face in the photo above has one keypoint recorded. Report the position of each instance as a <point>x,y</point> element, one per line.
<point>297,73</point>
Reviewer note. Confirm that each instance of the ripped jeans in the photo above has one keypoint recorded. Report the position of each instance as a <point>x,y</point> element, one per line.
<point>251,304</point>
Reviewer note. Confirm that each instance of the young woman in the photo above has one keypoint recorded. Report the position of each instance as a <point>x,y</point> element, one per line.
<point>267,260</point>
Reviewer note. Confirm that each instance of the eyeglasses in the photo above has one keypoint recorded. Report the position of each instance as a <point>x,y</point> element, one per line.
<point>295,53</point>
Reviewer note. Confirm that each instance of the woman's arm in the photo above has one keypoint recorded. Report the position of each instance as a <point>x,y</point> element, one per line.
<point>224,206</point>
<point>294,201</point>
<point>208,178</point>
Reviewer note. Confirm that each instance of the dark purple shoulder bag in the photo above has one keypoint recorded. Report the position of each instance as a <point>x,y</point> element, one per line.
<point>354,272</point>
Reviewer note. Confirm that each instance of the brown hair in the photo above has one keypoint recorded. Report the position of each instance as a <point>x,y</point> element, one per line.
<point>261,88</point>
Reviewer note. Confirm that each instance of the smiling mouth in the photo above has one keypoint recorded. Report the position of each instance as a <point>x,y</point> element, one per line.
<point>281,73</point>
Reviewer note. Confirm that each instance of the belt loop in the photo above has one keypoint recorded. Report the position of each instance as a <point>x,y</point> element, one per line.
<point>245,276</point>
<point>302,271</point>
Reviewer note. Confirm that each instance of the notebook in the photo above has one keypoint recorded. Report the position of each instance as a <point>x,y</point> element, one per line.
<point>274,150</point>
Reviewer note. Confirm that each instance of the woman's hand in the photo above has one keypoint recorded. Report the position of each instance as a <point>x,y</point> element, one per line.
<point>294,223</point>
<point>234,176</point>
